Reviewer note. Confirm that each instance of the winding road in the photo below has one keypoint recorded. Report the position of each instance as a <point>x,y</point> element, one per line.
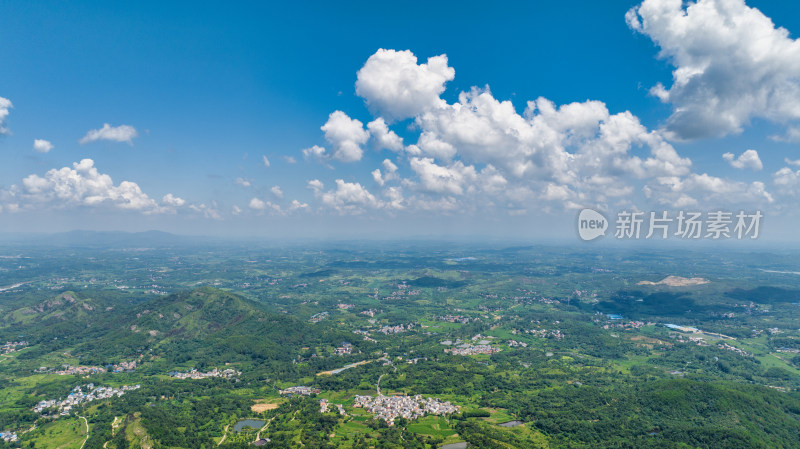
<point>85,421</point>
<point>224,435</point>
<point>258,435</point>
<point>379,383</point>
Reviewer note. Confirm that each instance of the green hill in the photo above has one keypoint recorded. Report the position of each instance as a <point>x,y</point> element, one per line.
<point>202,325</point>
<point>196,314</point>
<point>63,320</point>
<point>205,325</point>
<point>62,307</point>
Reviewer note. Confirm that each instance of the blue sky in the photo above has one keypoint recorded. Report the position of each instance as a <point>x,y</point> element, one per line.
<point>195,95</point>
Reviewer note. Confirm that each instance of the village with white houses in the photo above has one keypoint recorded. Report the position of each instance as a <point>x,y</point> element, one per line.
<point>8,436</point>
<point>483,346</point>
<point>80,370</point>
<point>68,370</point>
<point>345,349</point>
<point>389,408</point>
<point>195,374</point>
<point>79,395</point>
<point>324,405</point>
<point>456,319</point>
<point>11,346</point>
<point>468,349</point>
<point>299,390</point>
<point>385,330</point>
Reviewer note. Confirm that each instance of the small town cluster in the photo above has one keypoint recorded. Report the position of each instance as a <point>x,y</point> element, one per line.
<point>546,333</point>
<point>388,408</point>
<point>517,344</point>
<point>80,370</point>
<point>83,370</point>
<point>468,349</point>
<point>300,390</point>
<point>317,317</point>
<point>699,341</point>
<point>324,405</point>
<point>8,436</point>
<point>11,346</point>
<point>195,374</point>
<point>386,330</point>
<point>345,349</point>
<point>79,395</point>
<point>124,367</point>
<point>402,290</point>
<point>627,325</point>
<point>365,334</point>
<point>731,348</point>
<point>455,319</point>
<point>481,345</point>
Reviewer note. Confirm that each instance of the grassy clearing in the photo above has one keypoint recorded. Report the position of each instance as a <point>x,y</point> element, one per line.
<point>136,434</point>
<point>434,426</point>
<point>262,405</point>
<point>64,433</point>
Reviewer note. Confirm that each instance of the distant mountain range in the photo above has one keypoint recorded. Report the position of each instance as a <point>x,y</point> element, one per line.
<point>105,239</point>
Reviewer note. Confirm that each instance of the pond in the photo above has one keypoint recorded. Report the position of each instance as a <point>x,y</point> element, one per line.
<point>252,423</point>
<point>454,446</point>
<point>511,424</point>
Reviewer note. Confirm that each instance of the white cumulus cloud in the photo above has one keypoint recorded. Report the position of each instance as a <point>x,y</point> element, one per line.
<point>257,204</point>
<point>316,185</point>
<point>440,179</point>
<point>787,181</point>
<point>122,133</point>
<point>396,87</point>
<point>315,151</point>
<point>5,105</point>
<point>79,185</point>
<point>346,136</point>
<point>207,211</point>
<point>297,205</point>
<point>748,159</point>
<point>42,146</point>
<point>261,205</point>
<point>383,137</point>
<point>244,182</point>
<point>347,197</point>
<point>796,163</point>
<point>172,200</point>
<point>715,192</point>
<point>731,63</point>
<point>480,153</point>
<point>389,175</point>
